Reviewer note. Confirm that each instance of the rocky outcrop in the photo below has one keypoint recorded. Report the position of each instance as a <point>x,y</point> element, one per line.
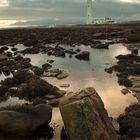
<point>24,120</point>
<point>85,118</point>
<point>38,88</point>
<point>59,74</point>
<point>130,122</point>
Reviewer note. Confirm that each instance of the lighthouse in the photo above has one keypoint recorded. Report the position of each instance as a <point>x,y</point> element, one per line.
<point>89,12</point>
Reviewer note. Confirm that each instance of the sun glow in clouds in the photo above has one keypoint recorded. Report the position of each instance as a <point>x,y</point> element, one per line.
<point>131,1</point>
<point>8,23</point>
<point>4,3</point>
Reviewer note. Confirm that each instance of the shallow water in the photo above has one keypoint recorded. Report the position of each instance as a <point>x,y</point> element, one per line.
<point>89,74</point>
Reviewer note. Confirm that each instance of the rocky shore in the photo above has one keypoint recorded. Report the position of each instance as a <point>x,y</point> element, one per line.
<point>128,73</point>
<point>24,80</point>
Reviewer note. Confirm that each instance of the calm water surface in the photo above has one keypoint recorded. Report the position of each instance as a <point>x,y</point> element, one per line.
<point>90,74</point>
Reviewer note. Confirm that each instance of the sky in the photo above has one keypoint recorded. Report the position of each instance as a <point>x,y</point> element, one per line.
<point>50,12</point>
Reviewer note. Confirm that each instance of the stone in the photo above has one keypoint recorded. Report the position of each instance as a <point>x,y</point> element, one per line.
<point>6,70</point>
<point>50,61</point>
<point>14,49</point>
<point>100,46</point>
<point>125,91</point>
<point>135,51</point>
<point>130,122</point>
<point>52,73</point>
<point>38,71</point>
<point>13,90</point>
<point>46,66</point>
<point>109,70</point>
<point>62,75</point>
<point>4,48</point>
<point>65,85</point>
<point>85,118</point>
<point>24,120</point>
<point>83,55</point>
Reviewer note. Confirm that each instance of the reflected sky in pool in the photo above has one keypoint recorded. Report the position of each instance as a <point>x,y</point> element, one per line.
<point>91,74</point>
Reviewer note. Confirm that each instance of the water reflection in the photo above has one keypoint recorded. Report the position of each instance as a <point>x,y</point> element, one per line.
<point>91,74</point>
<point>57,123</point>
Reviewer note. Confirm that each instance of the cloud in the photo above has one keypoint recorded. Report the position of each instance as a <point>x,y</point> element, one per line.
<point>4,3</point>
<point>66,11</point>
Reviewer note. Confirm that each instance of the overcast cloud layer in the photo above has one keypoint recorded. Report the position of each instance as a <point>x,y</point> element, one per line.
<point>47,12</point>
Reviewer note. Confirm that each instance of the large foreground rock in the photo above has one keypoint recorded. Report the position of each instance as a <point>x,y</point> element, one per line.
<point>24,120</point>
<point>85,118</point>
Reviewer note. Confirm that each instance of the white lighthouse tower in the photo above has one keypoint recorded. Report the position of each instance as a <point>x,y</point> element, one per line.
<point>89,12</point>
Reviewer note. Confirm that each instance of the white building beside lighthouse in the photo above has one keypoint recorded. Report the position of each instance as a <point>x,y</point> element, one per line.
<point>89,12</point>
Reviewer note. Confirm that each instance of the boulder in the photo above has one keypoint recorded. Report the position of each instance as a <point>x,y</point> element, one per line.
<point>19,58</point>
<point>52,73</point>
<point>38,88</point>
<point>59,51</point>
<point>134,51</point>
<point>85,118</point>
<point>14,49</point>
<point>38,71</point>
<point>46,66</point>
<point>50,61</point>
<point>109,70</point>
<point>83,55</point>
<point>24,120</point>
<point>23,76</point>
<point>62,75</point>
<point>130,122</point>
<point>4,48</point>
<point>6,70</point>
<point>9,54</point>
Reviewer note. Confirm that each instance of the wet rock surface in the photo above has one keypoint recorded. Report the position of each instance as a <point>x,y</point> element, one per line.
<point>127,65</point>
<point>83,55</point>
<point>25,120</point>
<point>57,73</point>
<point>130,122</point>
<point>95,125</point>
<point>30,86</point>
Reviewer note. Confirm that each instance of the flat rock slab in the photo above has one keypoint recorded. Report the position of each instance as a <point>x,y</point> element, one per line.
<point>85,118</point>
